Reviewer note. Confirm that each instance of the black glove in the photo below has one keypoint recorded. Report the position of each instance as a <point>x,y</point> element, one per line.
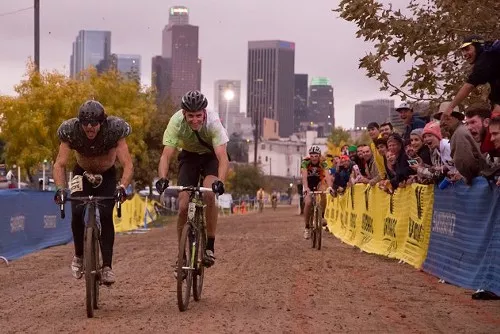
<point>218,187</point>
<point>60,196</point>
<point>161,185</point>
<point>120,194</point>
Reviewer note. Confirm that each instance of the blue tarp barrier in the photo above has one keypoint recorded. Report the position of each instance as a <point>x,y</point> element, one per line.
<point>30,221</point>
<point>464,247</point>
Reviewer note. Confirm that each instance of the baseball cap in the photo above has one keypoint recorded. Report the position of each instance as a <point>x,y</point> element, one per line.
<point>404,105</point>
<point>471,40</point>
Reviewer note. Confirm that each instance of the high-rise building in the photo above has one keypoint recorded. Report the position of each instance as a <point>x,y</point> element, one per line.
<point>180,46</point>
<point>128,65</point>
<point>379,111</point>
<point>300,100</point>
<point>270,86</point>
<point>90,48</point>
<point>178,15</point>
<point>321,108</point>
<point>160,78</point>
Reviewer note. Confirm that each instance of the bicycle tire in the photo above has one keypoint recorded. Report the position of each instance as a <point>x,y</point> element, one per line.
<point>312,227</point>
<point>319,228</point>
<point>199,273</point>
<point>89,264</point>
<point>184,275</point>
<point>97,267</point>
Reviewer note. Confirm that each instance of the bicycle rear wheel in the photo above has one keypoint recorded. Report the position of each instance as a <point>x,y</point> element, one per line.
<point>184,276</point>
<point>89,265</point>
<point>199,272</point>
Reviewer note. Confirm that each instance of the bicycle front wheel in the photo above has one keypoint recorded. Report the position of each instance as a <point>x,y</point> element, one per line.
<point>319,228</point>
<point>89,265</point>
<point>199,273</point>
<point>184,269</point>
<point>312,228</point>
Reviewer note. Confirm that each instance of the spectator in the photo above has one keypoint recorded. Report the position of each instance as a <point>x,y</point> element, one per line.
<point>401,169</point>
<point>372,176</point>
<point>386,129</point>
<point>465,151</point>
<point>343,173</point>
<point>441,162</point>
<point>485,69</point>
<point>420,150</point>
<point>477,118</point>
<point>494,130</point>
<point>410,120</point>
<point>361,161</point>
<point>374,133</point>
<point>381,147</point>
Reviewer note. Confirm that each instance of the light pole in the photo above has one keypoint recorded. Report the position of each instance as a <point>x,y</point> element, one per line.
<point>229,96</point>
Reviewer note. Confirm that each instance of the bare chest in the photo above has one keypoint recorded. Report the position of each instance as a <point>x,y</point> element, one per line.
<point>97,164</point>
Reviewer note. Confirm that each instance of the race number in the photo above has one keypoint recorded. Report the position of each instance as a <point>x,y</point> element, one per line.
<point>76,184</point>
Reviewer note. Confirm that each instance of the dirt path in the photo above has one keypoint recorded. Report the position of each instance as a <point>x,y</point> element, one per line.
<point>267,280</point>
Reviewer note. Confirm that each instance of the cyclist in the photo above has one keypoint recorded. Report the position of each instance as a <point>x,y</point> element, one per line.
<point>98,140</point>
<point>260,198</point>
<point>315,177</point>
<point>203,141</point>
<point>274,199</point>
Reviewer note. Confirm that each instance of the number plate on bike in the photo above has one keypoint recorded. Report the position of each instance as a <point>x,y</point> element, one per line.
<point>191,210</point>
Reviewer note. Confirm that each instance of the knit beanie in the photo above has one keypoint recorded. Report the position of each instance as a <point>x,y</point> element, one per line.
<point>433,129</point>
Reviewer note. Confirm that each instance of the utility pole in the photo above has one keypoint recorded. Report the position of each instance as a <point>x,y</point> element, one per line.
<point>37,35</point>
<point>255,139</point>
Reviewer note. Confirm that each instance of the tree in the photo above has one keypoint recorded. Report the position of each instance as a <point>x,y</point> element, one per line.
<point>146,171</point>
<point>338,138</point>
<point>244,179</point>
<point>363,139</point>
<point>427,37</point>
<point>31,119</point>
<point>2,146</point>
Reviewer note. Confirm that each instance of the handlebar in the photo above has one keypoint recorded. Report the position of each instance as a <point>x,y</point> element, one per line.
<point>87,199</point>
<point>190,188</point>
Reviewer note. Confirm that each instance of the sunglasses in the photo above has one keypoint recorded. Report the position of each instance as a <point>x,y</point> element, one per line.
<point>92,123</point>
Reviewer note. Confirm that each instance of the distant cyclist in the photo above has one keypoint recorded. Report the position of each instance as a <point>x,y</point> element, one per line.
<point>203,141</point>
<point>315,177</point>
<point>260,199</point>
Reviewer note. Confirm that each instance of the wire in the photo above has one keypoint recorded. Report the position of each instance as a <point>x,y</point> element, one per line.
<point>16,11</point>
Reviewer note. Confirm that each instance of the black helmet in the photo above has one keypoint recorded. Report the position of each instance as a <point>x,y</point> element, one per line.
<point>91,110</point>
<point>194,101</point>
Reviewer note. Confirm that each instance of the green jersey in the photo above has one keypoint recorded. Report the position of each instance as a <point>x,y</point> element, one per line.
<point>178,134</point>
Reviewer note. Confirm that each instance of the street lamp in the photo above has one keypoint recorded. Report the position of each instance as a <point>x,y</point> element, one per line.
<point>229,96</point>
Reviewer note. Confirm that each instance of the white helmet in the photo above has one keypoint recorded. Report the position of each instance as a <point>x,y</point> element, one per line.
<point>315,149</point>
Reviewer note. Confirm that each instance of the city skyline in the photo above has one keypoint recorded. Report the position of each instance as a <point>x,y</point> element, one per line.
<point>132,33</point>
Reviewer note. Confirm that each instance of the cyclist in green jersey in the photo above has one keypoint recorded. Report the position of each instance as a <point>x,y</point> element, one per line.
<point>203,143</point>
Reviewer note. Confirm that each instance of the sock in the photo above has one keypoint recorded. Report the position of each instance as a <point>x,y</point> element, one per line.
<point>210,243</point>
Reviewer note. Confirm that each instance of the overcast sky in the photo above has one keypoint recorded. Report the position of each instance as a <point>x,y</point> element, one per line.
<point>325,44</point>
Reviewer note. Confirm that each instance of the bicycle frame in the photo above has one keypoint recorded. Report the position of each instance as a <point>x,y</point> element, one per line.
<point>91,244</point>
<point>193,240</point>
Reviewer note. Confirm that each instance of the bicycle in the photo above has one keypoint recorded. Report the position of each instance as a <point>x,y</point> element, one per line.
<point>92,262</point>
<point>192,247</point>
<point>316,220</point>
<point>274,203</point>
